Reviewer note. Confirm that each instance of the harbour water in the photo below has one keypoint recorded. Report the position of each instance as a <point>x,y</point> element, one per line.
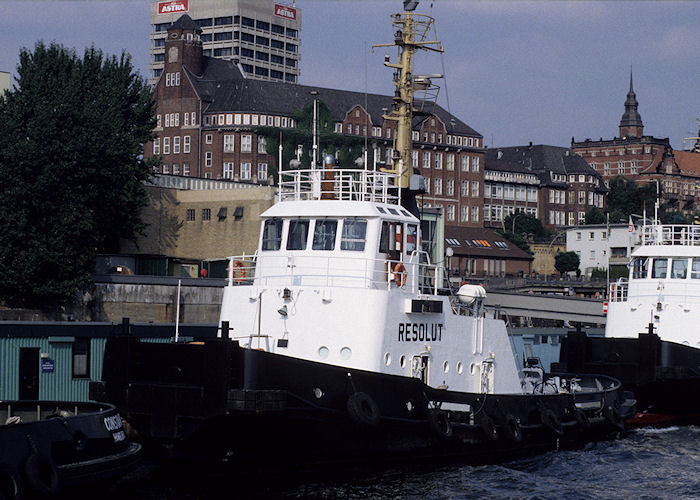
<point>647,463</point>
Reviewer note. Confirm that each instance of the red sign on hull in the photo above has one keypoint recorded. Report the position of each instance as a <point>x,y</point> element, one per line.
<point>173,7</point>
<point>285,12</point>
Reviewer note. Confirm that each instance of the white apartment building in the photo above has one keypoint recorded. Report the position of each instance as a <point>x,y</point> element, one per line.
<point>263,35</point>
<point>597,248</point>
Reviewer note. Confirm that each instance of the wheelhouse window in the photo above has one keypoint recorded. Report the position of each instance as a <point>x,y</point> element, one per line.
<point>272,234</point>
<point>679,268</point>
<point>354,235</point>
<point>695,269</point>
<point>641,267</point>
<point>659,268</point>
<point>298,234</point>
<point>324,234</point>
<point>411,237</point>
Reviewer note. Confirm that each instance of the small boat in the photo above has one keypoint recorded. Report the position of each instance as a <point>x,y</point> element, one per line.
<point>650,342</point>
<point>50,446</point>
<point>340,340</point>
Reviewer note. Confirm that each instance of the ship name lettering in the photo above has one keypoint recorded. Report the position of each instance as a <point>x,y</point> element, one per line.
<point>420,332</point>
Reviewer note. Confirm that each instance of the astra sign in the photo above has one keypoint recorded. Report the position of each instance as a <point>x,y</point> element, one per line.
<point>172,7</point>
<point>286,12</point>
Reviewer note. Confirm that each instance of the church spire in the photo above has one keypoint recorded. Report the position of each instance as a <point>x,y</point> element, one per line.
<point>631,123</point>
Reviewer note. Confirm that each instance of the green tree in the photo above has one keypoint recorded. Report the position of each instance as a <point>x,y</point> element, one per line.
<point>517,226</point>
<point>595,216</point>
<point>71,170</point>
<point>346,148</point>
<point>566,261</point>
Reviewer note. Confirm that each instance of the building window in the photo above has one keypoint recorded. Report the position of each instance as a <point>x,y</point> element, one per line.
<point>475,214</point>
<point>475,163</point>
<point>206,214</point>
<point>426,159</point>
<point>207,159</point>
<point>450,162</point>
<point>158,124</point>
<point>450,187</point>
<point>465,189</point>
<point>438,161</point>
<point>262,171</point>
<point>438,186</point>
<point>176,169</point>
<point>475,189</point>
<point>245,171</point>
<point>228,143</point>
<point>228,170</point>
<point>450,212</point>
<point>464,213</point>
<point>208,139</point>
<point>186,144</point>
<point>414,159</point>
<point>246,144</point>
<point>166,145</point>
<point>190,214</point>
<point>81,357</point>
<point>187,119</point>
<point>176,144</point>
<point>262,145</point>
<point>186,169</point>
<point>166,168</point>
<point>156,146</point>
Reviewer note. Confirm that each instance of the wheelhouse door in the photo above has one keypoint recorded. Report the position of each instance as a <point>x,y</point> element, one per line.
<point>28,373</point>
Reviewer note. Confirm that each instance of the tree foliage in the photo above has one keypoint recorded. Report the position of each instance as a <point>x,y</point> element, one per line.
<point>71,170</point>
<point>346,148</point>
<point>595,216</point>
<point>518,226</point>
<point>566,261</point>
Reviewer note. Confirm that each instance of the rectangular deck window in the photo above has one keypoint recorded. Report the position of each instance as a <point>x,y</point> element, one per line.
<point>324,234</point>
<point>354,235</point>
<point>679,269</point>
<point>659,268</point>
<point>272,235</point>
<point>298,234</point>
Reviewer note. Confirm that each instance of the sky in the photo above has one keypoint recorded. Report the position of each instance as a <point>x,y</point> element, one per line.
<point>515,71</point>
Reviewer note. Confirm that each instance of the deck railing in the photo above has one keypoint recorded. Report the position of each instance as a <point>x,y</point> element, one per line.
<point>414,274</point>
<point>618,290</point>
<point>338,184</point>
<point>670,234</point>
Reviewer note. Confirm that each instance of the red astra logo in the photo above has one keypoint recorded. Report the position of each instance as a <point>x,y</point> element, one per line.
<point>172,7</point>
<point>286,12</point>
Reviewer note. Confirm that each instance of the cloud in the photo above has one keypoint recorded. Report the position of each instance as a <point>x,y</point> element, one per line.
<point>679,44</point>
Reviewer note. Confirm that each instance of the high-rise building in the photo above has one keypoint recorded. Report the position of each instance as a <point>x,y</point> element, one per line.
<point>262,35</point>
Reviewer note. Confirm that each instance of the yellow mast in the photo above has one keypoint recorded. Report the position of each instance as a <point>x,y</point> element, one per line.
<point>410,34</point>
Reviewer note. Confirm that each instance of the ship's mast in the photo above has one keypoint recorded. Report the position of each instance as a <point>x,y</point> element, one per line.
<point>411,33</point>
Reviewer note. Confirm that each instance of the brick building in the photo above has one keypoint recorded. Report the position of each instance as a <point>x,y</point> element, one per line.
<point>642,158</point>
<point>568,186</point>
<point>509,187</point>
<point>208,112</point>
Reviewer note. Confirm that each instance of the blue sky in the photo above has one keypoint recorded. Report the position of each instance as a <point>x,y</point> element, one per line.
<point>516,71</point>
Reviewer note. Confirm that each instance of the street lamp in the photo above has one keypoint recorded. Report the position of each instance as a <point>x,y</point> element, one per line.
<point>549,249</point>
<point>515,217</point>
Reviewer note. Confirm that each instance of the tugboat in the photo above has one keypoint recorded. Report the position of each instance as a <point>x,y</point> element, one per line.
<point>650,343</point>
<point>48,447</point>
<point>340,342</point>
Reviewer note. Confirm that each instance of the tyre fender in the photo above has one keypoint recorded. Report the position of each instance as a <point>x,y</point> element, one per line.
<point>551,422</point>
<point>511,429</point>
<point>612,415</point>
<point>582,419</point>
<point>362,409</point>
<point>42,474</point>
<point>489,428</point>
<point>440,423</point>
<point>11,486</point>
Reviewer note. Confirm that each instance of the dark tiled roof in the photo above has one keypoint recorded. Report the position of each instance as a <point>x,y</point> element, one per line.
<point>481,242</point>
<point>185,22</point>
<point>226,90</point>
<point>543,159</point>
<point>506,166</point>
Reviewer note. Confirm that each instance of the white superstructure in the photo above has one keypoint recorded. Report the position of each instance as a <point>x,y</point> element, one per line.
<point>663,288</point>
<point>340,277</point>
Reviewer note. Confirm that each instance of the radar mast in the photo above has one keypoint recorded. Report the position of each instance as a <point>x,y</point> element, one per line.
<point>412,32</point>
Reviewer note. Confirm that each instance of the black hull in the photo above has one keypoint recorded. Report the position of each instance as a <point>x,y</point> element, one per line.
<point>254,408</point>
<point>664,376</point>
<point>84,444</point>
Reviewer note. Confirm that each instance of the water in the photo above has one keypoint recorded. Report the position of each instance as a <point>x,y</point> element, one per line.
<point>647,464</point>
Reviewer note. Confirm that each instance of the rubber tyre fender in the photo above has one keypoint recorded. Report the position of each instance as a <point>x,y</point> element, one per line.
<point>11,486</point>
<point>362,409</point>
<point>551,422</point>
<point>582,419</point>
<point>440,423</point>
<point>488,427</point>
<point>511,429</point>
<point>42,474</point>
<point>612,415</point>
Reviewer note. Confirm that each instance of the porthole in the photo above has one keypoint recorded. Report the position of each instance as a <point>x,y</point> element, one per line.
<point>446,366</point>
<point>387,359</point>
<point>323,352</point>
<point>460,367</point>
<point>318,393</point>
<point>473,368</point>
<point>345,353</point>
<point>402,361</point>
